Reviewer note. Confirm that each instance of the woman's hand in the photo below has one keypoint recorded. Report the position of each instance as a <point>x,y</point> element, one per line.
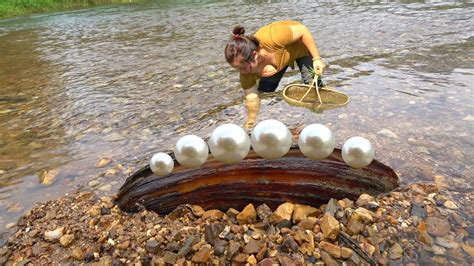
<point>318,66</point>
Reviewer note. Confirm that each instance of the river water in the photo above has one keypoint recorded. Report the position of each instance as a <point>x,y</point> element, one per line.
<point>118,83</point>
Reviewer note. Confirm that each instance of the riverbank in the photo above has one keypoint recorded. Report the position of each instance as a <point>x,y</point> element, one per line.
<point>418,223</point>
<point>15,8</point>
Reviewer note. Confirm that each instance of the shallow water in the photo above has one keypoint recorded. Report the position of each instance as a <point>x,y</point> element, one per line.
<point>125,81</point>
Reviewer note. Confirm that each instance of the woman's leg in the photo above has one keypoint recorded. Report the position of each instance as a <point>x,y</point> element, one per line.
<point>269,84</point>
<point>305,64</point>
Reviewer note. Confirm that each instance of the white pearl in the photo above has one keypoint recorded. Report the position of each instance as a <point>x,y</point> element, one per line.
<point>316,141</point>
<point>358,152</point>
<point>229,143</point>
<point>191,151</point>
<point>271,139</point>
<point>161,164</point>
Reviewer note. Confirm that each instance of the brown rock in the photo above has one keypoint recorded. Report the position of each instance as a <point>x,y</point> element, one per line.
<point>152,246</point>
<point>197,210</point>
<point>232,213</point>
<point>396,251</point>
<point>307,223</point>
<point>267,262</point>
<point>362,214</point>
<point>252,247</point>
<point>263,211</point>
<point>333,250</point>
<point>216,214</point>
<point>468,249</point>
<point>330,226</point>
<point>48,176</point>
<point>241,258</point>
<point>248,215</point>
<point>364,200</point>
<point>289,245</point>
<point>285,211</point>
<point>328,259</point>
<point>252,260</point>
<point>202,256</point>
<point>437,226</point>
<point>103,162</point>
<point>65,240</point>
<point>78,254</point>
<point>302,236</point>
<point>170,257</point>
<point>423,235</point>
<point>123,245</point>
<point>354,227</point>
<point>346,252</point>
<point>301,212</point>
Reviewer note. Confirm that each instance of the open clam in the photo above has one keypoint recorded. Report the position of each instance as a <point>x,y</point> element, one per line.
<point>292,178</point>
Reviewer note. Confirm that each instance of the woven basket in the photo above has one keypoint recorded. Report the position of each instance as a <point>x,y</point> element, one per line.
<point>313,97</point>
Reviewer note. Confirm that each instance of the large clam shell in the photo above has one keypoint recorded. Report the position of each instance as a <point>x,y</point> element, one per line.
<point>292,178</point>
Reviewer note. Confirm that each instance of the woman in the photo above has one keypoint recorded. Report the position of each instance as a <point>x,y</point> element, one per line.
<point>263,58</point>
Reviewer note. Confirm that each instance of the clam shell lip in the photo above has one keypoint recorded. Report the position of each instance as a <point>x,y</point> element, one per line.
<point>293,178</point>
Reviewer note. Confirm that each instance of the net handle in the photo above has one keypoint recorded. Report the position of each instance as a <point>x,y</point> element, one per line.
<point>315,84</point>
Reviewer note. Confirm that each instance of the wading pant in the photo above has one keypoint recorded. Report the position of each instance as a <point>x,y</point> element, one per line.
<point>269,84</point>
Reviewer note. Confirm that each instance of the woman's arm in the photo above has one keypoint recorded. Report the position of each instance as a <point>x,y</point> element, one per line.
<point>300,32</point>
<point>252,103</point>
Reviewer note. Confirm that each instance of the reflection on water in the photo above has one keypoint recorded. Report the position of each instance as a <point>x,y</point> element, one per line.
<point>118,83</point>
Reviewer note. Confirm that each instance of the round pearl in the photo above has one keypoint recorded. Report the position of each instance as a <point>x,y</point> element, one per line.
<point>229,143</point>
<point>191,151</point>
<point>271,139</point>
<point>316,141</point>
<point>161,164</point>
<point>358,152</point>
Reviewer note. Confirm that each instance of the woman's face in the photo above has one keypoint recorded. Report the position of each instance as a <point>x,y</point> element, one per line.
<point>243,65</point>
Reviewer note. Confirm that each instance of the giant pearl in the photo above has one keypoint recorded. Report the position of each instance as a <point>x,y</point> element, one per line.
<point>316,141</point>
<point>161,164</point>
<point>358,152</point>
<point>191,151</point>
<point>229,143</point>
<point>271,139</point>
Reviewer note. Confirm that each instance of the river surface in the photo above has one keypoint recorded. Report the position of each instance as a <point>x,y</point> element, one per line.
<point>118,83</point>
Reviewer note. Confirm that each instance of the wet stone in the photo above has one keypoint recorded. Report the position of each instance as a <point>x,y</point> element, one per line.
<point>247,215</point>
<point>152,246</point>
<point>396,251</point>
<point>233,249</point>
<point>252,247</point>
<point>219,250</point>
<point>332,207</point>
<point>330,226</point>
<point>240,258</point>
<point>184,250</point>
<point>289,245</point>
<point>328,259</point>
<point>364,200</point>
<point>284,224</point>
<point>418,210</point>
<point>202,255</point>
<point>267,262</point>
<point>437,226</point>
<point>263,212</point>
<point>170,257</point>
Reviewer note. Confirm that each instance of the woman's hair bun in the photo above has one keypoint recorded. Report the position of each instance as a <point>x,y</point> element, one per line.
<point>238,30</point>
